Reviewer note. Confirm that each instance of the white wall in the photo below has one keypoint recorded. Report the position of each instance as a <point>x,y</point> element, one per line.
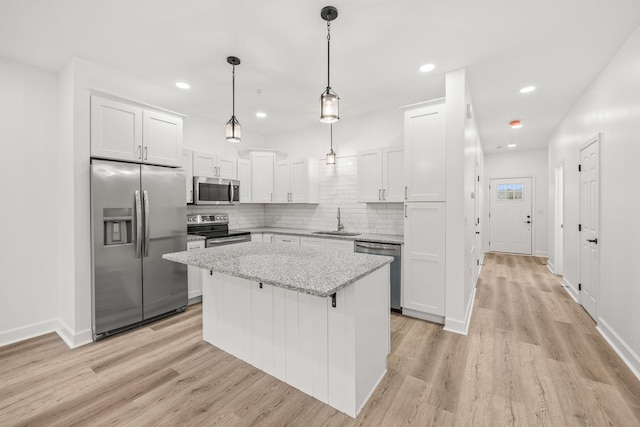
<point>517,164</point>
<point>29,229</point>
<point>610,106</point>
<point>463,151</point>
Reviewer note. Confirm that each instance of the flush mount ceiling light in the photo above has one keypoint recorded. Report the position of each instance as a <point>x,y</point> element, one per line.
<point>331,155</point>
<point>261,115</point>
<point>233,125</point>
<point>515,124</point>
<point>329,100</point>
<point>427,67</point>
<point>513,144</point>
<point>527,89</point>
<point>183,85</point>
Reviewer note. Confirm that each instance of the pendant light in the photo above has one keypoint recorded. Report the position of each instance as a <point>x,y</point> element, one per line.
<point>331,155</point>
<point>233,125</point>
<point>329,100</point>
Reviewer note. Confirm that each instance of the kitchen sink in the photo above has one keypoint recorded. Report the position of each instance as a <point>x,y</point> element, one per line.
<point>336,233</point>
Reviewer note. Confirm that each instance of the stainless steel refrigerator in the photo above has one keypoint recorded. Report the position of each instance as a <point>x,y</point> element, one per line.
<point>137,214</point>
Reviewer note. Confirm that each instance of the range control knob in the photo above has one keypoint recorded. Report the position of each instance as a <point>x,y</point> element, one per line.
<point>225,218</point>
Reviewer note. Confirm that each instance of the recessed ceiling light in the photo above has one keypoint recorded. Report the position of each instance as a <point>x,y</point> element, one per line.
<point>261,114</point>
<point>512,145</point>
<point>515,124</point>
<point>183,85</point>
<point>427,67</point>
<point>527,89</point>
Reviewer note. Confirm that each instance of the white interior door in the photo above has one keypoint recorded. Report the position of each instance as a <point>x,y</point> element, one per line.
<point>589,220</point>
<point>510,221</point>
<point>559,222</point>
<point>476,222</point>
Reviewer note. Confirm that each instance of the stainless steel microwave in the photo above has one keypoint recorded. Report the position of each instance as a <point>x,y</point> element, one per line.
<point>215,191</point>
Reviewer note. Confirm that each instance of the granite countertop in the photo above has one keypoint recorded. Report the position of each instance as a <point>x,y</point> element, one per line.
<point>194,238</point>
<point>367,237</point>
<point>319,272</point>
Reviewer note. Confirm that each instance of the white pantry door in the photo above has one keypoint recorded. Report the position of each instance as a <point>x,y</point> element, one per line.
<point>510,221</point>
<point>589,220</point>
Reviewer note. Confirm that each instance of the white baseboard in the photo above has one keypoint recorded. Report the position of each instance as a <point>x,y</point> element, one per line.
<point>25,332</point>
<point>194,300</point>
<point>551,267</point>
<point>626,353</point>
<point>541,253</point>
<point>71,338</point>
<point>571,290</point>
<point>371,393</point>
<point>461,326</point>
<point>423,316</point>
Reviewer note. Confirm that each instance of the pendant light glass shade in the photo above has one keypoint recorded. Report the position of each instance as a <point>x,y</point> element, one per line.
<point>329,106</point>
<point>329,100</point>
<point>233,125</point>
<point>233,130</point>
<point>331,155</point>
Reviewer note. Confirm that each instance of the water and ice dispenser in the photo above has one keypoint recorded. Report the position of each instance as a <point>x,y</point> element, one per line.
<point>118,226</point>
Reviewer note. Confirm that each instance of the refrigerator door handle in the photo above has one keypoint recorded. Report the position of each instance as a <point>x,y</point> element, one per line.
<point>147,222</point>
<point>138,215</point>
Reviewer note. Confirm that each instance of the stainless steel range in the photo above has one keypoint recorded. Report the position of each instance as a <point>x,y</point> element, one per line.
<point>216,230</point>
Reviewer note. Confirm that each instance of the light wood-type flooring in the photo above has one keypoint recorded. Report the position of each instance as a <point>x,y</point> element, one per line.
<point>532,357</point>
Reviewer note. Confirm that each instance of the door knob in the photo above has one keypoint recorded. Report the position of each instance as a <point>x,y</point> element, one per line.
<point>593,240</point>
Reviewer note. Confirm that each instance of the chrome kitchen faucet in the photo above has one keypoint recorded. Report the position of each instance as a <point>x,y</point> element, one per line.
<point>340,226</point>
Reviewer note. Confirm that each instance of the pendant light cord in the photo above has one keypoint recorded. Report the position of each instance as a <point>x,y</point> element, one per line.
<point>331,127</point>
<point>328,54</point>
<point>233,85</point>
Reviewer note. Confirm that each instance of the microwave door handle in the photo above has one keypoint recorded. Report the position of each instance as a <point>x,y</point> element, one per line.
<point>147,222</point>
<point>138,217</point>
<point>231,192</point>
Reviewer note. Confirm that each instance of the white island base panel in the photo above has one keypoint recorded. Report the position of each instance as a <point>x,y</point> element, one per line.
<point>336,354</point>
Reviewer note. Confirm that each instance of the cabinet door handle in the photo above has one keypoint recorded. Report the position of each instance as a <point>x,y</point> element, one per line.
<point>139,152</point>
<point>146,152</point>
<point>405,211</point>
<point>384,197</point>
<point>271,197</point>
<point>379,197</point>
<point>405,192</point>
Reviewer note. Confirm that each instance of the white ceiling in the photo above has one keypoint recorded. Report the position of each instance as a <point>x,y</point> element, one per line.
<point>377,48</point>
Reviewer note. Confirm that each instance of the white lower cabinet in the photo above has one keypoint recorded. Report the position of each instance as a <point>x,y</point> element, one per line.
<point>424,259</point>
<point>194,274</point>
<point>313,242</point>
<point>285,238</point>
<point>336,354</point>
<point>340,245</point>
<point>268,238</point>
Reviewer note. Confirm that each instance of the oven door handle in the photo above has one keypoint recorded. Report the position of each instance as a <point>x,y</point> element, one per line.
<point>228,239</point>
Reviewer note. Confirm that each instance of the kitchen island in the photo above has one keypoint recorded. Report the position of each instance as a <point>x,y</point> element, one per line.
<point>316,319</point>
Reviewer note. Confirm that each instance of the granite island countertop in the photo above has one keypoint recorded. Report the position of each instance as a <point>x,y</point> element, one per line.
<point>319,272</point>
<point>367,237</point>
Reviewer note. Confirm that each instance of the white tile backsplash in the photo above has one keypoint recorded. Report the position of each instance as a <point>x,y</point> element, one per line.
<point>338,188</point>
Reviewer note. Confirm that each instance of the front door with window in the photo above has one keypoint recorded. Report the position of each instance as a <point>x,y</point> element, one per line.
<point>510,219</point>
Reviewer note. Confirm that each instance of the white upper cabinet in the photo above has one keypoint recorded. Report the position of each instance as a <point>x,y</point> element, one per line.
<point>424,152</point>
<point>116,129</point>
<point>213,166</point>
<point>244,176</point>
<point>187,165</point>
<point>295,181</point>
<point>281,181</point>
<point>124,131</point>
<point>424,258</point>
<point>162,138</point>
<point>381,175</point>
<point>261,177</point>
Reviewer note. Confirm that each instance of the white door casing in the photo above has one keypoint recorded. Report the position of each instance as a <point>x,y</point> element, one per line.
<point>510,215</point>
<point>559,221</point>
<point>589,222</point>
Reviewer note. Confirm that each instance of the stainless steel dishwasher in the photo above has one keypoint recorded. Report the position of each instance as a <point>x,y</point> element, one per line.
<point>392,250</point>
